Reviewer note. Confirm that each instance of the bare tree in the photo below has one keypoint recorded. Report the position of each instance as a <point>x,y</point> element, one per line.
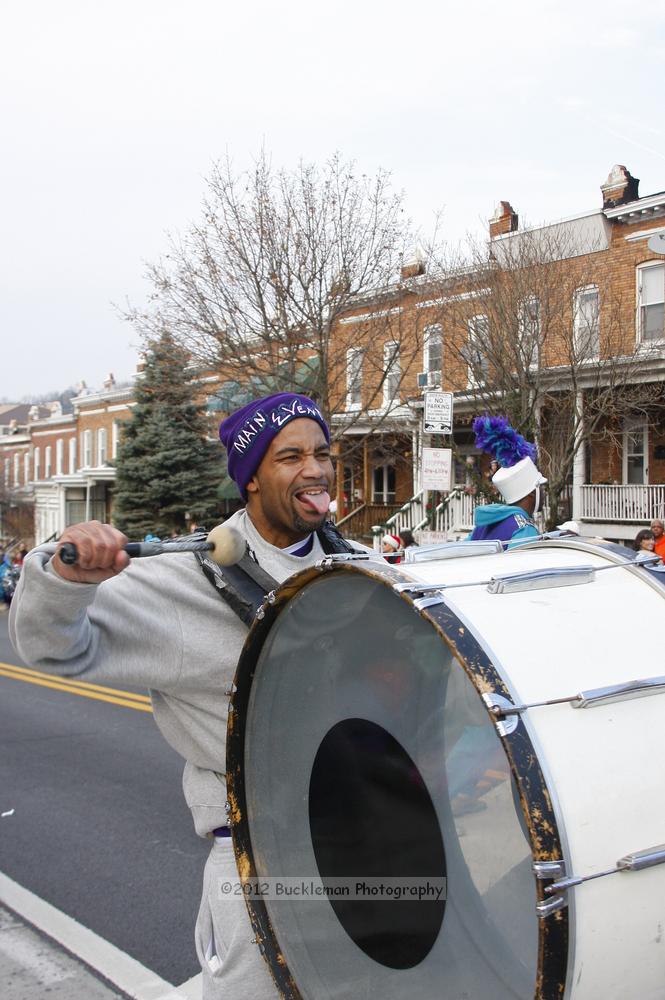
<point>258,289</point>
<point>534,331</point>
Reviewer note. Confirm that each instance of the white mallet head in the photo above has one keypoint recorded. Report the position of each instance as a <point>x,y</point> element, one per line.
<point>228,545</point>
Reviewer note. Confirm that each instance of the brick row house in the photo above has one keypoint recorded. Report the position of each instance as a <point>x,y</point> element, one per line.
<point>60,462</point>
<point>565,320</point>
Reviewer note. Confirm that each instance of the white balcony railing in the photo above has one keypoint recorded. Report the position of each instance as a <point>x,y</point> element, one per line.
<point>623,503</point>
<point>456,515</point>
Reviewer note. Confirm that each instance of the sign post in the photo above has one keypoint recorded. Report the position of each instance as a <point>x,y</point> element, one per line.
<point>437,469</point>
<point>438,413</point>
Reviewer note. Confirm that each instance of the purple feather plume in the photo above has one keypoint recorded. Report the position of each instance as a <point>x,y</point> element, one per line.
<point>495,436</point>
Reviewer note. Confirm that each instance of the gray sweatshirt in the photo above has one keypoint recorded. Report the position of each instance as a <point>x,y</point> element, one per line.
<point>158,624</point>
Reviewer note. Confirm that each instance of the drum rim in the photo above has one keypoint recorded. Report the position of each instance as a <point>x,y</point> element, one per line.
<point>535,798</point>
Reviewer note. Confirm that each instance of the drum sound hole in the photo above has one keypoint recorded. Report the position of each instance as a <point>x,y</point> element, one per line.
<point>371,817</point>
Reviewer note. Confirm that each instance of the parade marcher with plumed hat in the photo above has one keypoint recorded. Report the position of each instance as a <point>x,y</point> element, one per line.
<point>518,480</point>
<point>158,623</point>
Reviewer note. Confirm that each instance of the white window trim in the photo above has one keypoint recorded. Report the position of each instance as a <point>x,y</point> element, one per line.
<point>472,381</point>
<point>354,354</point>
<point>26,468</point>
<point>579,292</point>
<point>72,456</point>
<point>86,449</point>
<point>639,271</point>
<point>630,426</point>
<point>384,492</point>
<point>522,318</point>
<point>38,462</point>
<point>59,456</point>
<point>393,369</point>
<point>48,462</point>
<point>435,375</point>
<point>102,446</point>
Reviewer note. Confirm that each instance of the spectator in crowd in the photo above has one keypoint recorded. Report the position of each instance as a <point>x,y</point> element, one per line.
<point>659,534</point>
<point>407,539</point>
<point>645,541</point>
<point>390,546</point>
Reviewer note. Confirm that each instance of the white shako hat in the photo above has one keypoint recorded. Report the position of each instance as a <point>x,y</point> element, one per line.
<point>518,480</point>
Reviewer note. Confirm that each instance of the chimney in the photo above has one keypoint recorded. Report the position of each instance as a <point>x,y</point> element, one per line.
<point>109,382</point>
<point>415,267</point>
<point>504,220</point>
<point>620,187</point>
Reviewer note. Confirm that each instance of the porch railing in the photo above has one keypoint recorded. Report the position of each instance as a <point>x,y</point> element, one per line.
<point>358,524</point>
<point>623,503</point>
<point>453,515</point>
<point>410,515</point>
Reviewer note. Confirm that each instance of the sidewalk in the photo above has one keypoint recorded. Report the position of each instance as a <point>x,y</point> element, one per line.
<point>42,950</point>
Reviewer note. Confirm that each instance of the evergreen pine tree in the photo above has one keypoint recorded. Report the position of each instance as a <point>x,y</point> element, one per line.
<point>166,468</point>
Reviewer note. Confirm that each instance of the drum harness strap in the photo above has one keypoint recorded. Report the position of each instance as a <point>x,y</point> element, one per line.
<point>244,586</point>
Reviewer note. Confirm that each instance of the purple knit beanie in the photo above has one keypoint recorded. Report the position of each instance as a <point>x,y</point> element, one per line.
<point>247,433</point>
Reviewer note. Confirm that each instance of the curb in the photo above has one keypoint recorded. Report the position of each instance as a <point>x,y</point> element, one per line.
<point>113,965</point>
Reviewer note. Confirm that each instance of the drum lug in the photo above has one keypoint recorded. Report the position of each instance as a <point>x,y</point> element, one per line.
<point>551,906</point>
<point>550,871</point>
<point>544,870</point>
<point>343,557</point>
<point>506,717</point>
<point>428,602</point>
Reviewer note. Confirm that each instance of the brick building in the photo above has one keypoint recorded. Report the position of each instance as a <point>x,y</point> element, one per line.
<point>563,315</point>
<point>569,314</point>
<point>60,462</point>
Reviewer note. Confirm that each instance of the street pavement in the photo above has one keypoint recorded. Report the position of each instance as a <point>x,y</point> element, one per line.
<point>31,964</point>
<point>100,869</point>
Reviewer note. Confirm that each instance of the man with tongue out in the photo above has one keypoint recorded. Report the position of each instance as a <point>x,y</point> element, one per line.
<point>160,624</point>
<point>279,456</point>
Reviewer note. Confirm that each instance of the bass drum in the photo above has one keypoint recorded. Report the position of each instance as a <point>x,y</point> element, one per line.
<point>467,722</point>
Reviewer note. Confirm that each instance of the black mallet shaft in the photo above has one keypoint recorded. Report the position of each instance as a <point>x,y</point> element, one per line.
<point>225,544</point>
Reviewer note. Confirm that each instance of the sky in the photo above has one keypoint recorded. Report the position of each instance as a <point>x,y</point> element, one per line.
<point>112,115</point>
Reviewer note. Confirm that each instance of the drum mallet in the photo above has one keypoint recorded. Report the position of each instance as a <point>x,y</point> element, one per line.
<point>224,543</point>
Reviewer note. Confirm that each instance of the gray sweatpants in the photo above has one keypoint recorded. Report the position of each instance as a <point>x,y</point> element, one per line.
<point>232,965</point>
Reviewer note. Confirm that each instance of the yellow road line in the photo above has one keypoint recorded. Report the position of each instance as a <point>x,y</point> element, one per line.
<point>71,689</point>
<point>86,685</point>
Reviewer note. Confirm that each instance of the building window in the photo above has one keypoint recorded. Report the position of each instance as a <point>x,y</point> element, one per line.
<point>433,354</point>
<point>651,301</point>
<point>72,455</point>
<point>16,469</point>
<point>528,331</point>
<point>115,436</point>
<point>635,452</point>
<point>477,362</point>
<point>393,373</point>
<point>26,468</point>
<point>86,449</point>
<point>354,378</point>
<point>59,456</point>
<point>101,446</point>
<point>7,471</point>
<point>47,461</point>
<point>586,326</point>
<point>383,484</point>
<point>38,459</point>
